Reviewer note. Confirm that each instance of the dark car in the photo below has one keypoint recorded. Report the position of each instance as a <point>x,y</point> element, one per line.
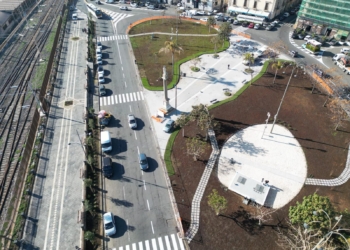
<point>333,42</point>
<point>226,18</point>
<point>220,18</point>
<point>294,35</point>
<point>293,53</point>
<point>281,18</point>
<point>245,24</point>
<point>301,36</point>
<point>107,167</point>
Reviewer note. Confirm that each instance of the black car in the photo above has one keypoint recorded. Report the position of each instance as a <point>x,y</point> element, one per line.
<point>220,18</point>
<point>226,18</point>
<point>294,35</point>
<point>107,167</point>
<point>301,36</point>
<point>245,24</point>
<point>293,53</point>
<point>281,18</point>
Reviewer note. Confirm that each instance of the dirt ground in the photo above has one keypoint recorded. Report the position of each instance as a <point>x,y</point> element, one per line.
<point>304,115</point>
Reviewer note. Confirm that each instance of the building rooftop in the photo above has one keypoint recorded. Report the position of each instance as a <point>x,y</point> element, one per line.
<point>9,5</point>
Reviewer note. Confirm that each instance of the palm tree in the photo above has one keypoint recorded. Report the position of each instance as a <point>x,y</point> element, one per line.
<point>248,57</point>
<point>171,47</point>
<point>211,22</point>
<point>277,65</point>
<point>215,40</point>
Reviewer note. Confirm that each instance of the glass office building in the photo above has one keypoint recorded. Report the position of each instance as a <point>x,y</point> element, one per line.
<point>325,17</point>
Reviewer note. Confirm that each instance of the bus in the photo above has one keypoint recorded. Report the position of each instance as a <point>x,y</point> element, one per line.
<point>95,11</point>
<point>251,19</point>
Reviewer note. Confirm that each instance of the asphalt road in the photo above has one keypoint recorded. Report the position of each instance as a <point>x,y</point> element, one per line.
<point>138,199</point>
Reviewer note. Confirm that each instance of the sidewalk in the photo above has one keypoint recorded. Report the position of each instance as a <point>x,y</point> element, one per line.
<point>204,87</point>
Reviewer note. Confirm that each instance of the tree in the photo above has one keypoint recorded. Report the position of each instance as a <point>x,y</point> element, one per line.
<point>248,57</point>
<point>182,121</point>
<point>88,183</point>
<point>310,211</point>
<point>204,120</point>
<point>217,202</point>
<point>225,32</point>
<point>196,60</point>
<point>277,65</point>
<point>215,40</point>
<point>338,115</point>
<point>90,236</point>
<point>211,22</point>
<point>89,207</point>
<point>195,147</point>
<point>179,12</point>
<point>262,214</point>
<point>171,47</point>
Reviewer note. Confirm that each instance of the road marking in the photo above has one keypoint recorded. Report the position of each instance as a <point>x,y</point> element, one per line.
<point>131,99</point>
<point>144,184</point>
<point>127,97</point>
<point>138,151</point>
<point>122,68</point>
<point>133,246</point>
<point>167,242</point>
<point>138,96</point>
<point>181,243</point>
<point>148,205</point>
<point>127,226</point>
<point>112,100</point>
<point>125,84</point>
<point>147,245</point>
<point>123,75</point>
<point>140,245</point>
<point>135,135</point>
<point>152,227</point>
<point>135,96</point>
<point>262,38</point>
<point>154,244</point>
<point>143,98</point>
<point>116,99</point>
<point>127,247</point>
<point>124,192</point>
<point>160,243</point>
<point>123,95</point>
<point>173,239</point>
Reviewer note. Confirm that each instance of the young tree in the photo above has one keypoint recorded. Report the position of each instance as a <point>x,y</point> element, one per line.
<point>211,22</point>
<point>215,40</point>
<point>88,183</point>
<point>277,65</point>
<point>338,115</point>
<point>217,202</point>
<point>171,47</point>
<point>225,32</point>
<point>196,60</point>
<point>179,12</point>
<point>204,120</point>
<point>262,214</point>
<point>90,236</point>
<point>182,121</point>
<point>89,207</point>
<point>195,147</point>
<point>248,57</point>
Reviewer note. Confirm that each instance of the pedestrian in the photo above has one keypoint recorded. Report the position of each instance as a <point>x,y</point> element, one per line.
<point>228,66</point>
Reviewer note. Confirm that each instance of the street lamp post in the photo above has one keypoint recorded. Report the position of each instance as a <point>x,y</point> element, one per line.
<point>267,120</point>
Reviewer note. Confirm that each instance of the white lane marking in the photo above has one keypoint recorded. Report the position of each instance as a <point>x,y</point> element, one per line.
<point>135,135</point>
<point>116,99</point>
<point>167,242</point>
<point>152,227</point>
<point>123,75</point>
<point>127,97</point>
<point>140,245</point>
<point>108,100</point>
<point>127,226</point>
<point>123,97</point>
<point>122,68</point>
<point>101,102</point>
<point>131,99</point>
<point>161,247</point>
<point>181,243</point>
<point>144,184</point>
<point>142,97</point>
<point>138,96</point>
<point>134,96</point>
<point>147,245</point>
<point>173,240</point>
<point>133,246</point>
<point>125,84</point>
<point>112,100</point>
<point>120,248</point>
<point>124,192</point>
<point>127,247</point>
<point>262,38</point>
<point>154,244</point>
<point>120,99</point>
<point>138,150</point>
<point>148,205</point>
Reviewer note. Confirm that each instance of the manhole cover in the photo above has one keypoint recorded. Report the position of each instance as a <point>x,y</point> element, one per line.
<point>68,103</point>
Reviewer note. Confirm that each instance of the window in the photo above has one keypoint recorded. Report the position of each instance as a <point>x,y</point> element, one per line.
<point>234,2</point>
<point>267,6</point>
<point>245,3</point>
<point>255,4</point>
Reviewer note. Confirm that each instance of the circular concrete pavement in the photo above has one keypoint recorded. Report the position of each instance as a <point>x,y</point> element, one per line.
<point>259,155</point>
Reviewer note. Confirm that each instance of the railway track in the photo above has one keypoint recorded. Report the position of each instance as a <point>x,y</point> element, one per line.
<point>17,102</point>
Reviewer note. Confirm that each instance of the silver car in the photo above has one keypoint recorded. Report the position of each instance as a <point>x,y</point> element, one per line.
<point>143,161</point>
<point>132,121</point>
<point>109,224</point>
<point>168,126</point>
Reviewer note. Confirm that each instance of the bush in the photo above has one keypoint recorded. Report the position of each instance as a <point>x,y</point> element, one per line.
<point>91,123</point>
<point>195,69</point>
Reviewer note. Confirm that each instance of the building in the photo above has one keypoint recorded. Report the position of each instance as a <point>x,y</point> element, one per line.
<point>325,17</point>
<point>261,8</point>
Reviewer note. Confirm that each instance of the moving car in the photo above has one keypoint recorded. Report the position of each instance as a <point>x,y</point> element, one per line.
<point>168,126</point>
<point>107,167</point>
<point>123,8</point>
<point>109,224</point>
<point>251,26</point>
<point>293,53</point>
<point>143,161</point>
<point>132,121</point>
<point>102,90</point>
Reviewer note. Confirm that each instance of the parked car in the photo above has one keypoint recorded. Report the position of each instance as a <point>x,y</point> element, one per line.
<point>293,53</point>
<point>333,42</point>
<point>101,79</point>
<point>204,19</point>
<point>301,36</point>
<point>286,14</point>
<point>308,37</point>
<point>251,26</point>
<point>245,24</point>
<point>151,7</point>
<point>99,45</point>
<point>107,166</point>
<point>100,70</point>
<point>281,18</point>
<point>168,126</point>
<point>292,12</point>
<point>143,161</point>
<point>294,35</point>
<point>134,5</point>
<point>236,22</point>
<point>123,8</point>
<point>109,224</point>
<point>226,18</point>
<point>273,24</point>
<point>102,90</point>
<point>345,50</point>
<point>303,45</point>
<point>201,13</point>
<point>220,18</point>
<point>99,60</point>
<point>179,5</point>
<point>257,26</point>
<point>218,15</point>
<point>269,27</point>
<point>132,121</point>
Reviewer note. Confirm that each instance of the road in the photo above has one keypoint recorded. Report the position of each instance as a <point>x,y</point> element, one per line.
<point>139,199</point>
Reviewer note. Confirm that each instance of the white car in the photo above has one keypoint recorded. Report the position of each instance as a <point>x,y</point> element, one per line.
<point>218,14</point>
<point>308,37</point>
<point>109,224</point>
<point>179,5</point>
<point>182,8</point>
<point>123,8</point>
<point>132,121</point>
<point>204,19</point>
<point>201,13</point>
<point>100,70</point>
<point>99,60</point>
<point>99,45</point>
<point>101,79</point>
<point>134,5</point>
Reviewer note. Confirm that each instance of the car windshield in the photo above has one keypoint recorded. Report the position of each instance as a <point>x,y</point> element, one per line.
<point>109,225</point>
<point>132,121</point>
<point>143,162</point>
<point>106,145</point>
<point>101,77</point>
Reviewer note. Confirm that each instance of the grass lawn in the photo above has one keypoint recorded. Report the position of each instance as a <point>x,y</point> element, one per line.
<point>304,115</point>
<point>146,50</point>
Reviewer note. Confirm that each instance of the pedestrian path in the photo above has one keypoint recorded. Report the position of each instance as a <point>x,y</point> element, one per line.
<point>116,16</point>
<point>171,242</point>
<point>121,98</point>
<point>195,209</point>
<point>343,177</point>
<point>112,38</point>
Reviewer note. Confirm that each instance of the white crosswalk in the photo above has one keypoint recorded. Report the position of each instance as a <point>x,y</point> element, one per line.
<point>121,98</point>
<point>112,38</point>
<point>161,243</point>
<point>116,17</point>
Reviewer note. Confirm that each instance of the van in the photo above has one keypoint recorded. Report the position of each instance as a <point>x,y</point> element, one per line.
<point>75,16</point>
<point>261,51</point>
<point>337,57</point>
<point>192,12</point>
<point>345,50</point>
<point>106,142</point>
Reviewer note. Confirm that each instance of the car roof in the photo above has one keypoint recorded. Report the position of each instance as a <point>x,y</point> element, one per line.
<point>108,216</point>
<point>142,156</point>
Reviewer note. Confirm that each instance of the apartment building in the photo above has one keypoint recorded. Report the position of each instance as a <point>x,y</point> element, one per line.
<point>325,17</point>
<point>261,8</point>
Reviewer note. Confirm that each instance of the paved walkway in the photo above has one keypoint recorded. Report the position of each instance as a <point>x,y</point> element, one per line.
<point>170,34</point>
<point>192,231</point>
